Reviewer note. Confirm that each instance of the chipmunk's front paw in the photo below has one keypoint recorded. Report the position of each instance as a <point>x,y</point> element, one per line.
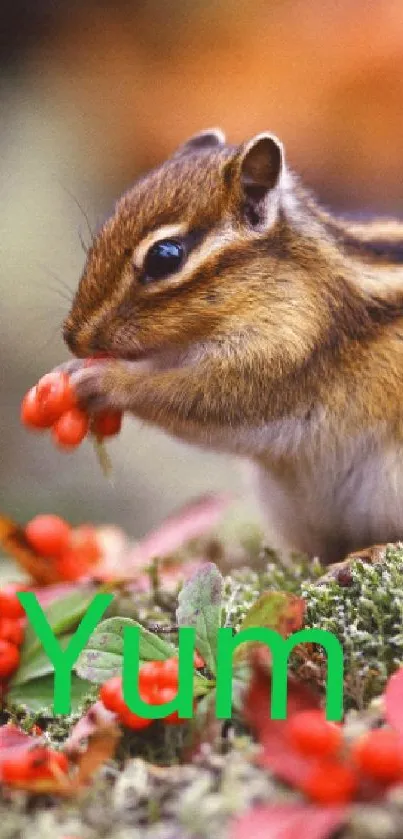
<point>94,386</point>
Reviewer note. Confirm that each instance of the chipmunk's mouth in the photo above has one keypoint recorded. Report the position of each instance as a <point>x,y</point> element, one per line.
<point>146,361</point>
<point>152,359</point>
<point>168,358</point>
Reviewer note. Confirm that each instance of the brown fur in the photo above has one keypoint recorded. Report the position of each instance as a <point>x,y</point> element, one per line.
<point>286,314</point>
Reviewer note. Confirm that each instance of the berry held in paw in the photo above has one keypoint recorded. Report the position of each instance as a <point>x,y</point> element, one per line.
<point>54,404</point>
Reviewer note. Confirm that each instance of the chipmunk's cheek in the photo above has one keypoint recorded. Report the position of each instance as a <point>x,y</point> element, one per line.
<point>90,386</point>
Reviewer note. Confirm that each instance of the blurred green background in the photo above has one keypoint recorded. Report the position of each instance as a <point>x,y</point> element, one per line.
<point>94,93</point>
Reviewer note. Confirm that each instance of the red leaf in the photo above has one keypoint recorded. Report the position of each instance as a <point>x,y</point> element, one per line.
<point>293,616</point>
<point>278,610</point>
<point>12,736</point>
<point>13,740</point>
<point>277,753</point>
<point>288,821</point>
<point>191,522</point>
<point>122,561</point>
<point>56,591</point>
<point>394,701</point>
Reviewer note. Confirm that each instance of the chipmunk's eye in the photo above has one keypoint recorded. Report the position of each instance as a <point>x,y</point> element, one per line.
<point>163,258</point>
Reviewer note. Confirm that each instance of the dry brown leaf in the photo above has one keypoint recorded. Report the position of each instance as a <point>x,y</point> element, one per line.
<point>101,747</point>
<point>341,571</point>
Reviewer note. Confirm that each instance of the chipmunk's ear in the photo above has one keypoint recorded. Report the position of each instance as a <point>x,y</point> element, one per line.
<point>203,140</point>
<point>260,166</point>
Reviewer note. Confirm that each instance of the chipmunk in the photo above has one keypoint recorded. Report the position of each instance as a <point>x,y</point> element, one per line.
<point>269,329</point>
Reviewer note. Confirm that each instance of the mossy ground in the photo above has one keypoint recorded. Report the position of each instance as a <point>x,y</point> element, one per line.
<point>149,792</point>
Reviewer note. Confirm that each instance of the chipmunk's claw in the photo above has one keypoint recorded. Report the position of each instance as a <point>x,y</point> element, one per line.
<point>89,385</point>
<point>69,367</point>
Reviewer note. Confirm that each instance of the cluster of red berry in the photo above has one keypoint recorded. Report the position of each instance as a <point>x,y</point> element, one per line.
<point>38,763</point>
<point>376,756</point>
<point>158,684</point>
<point>73,550</point>
<point>12,627</point>
<point>52,404</point>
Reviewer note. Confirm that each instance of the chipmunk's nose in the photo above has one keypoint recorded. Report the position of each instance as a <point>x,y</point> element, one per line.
<point>71,338</point>
<point>83,341</point>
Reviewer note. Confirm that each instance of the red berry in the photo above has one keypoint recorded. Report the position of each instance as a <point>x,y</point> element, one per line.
<point>32,414</point>
<point>379,754</point>
<point>330,782</point>
<point>167,695</point>
<point>10,606</point>
<point>112,697</point>
<point>55,395</point>
<point>155,676</point>
<point>35,764</point>
<point>110,694</point>
<point>148,677</point>
<point>15,769</point>
<point>312,734</point>
<point>131,720</point>
<point>106,423</point>
<point>153,695</point>
<point>49,535</point>
<point>168,673</point>
<point>9,658</point>
<point>85,542</point>
<point>71,428</point>
<point>45,763</point>
<point>12,630</point>
<point>70,567</point>
<point>159,674</point>
<point>84,551</point>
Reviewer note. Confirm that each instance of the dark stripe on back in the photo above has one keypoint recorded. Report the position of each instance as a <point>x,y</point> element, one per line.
<point>376,249</point>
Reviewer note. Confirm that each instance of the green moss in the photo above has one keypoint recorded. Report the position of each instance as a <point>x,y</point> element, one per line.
<point>244,585</point>
<point>367,616</point>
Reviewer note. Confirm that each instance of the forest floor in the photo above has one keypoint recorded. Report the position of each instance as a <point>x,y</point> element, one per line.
<point>231,779</point>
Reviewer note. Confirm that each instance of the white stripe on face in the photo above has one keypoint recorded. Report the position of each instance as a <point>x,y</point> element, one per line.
<point>213,242</point>
<point>167,231</point>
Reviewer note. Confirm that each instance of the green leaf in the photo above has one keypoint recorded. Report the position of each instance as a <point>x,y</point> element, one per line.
<point>154,648</point>
<point>62,615</point>
<point>38,664</point>
<point>36,696</point>
<point>34,663</point>
<point>98,667</point>
<point>102,658</point>
<point>200,607</point>
<point>32,687</point>
<point>201,685</point>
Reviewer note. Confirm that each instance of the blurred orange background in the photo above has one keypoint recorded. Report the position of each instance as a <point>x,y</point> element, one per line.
<point>94,93</point>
